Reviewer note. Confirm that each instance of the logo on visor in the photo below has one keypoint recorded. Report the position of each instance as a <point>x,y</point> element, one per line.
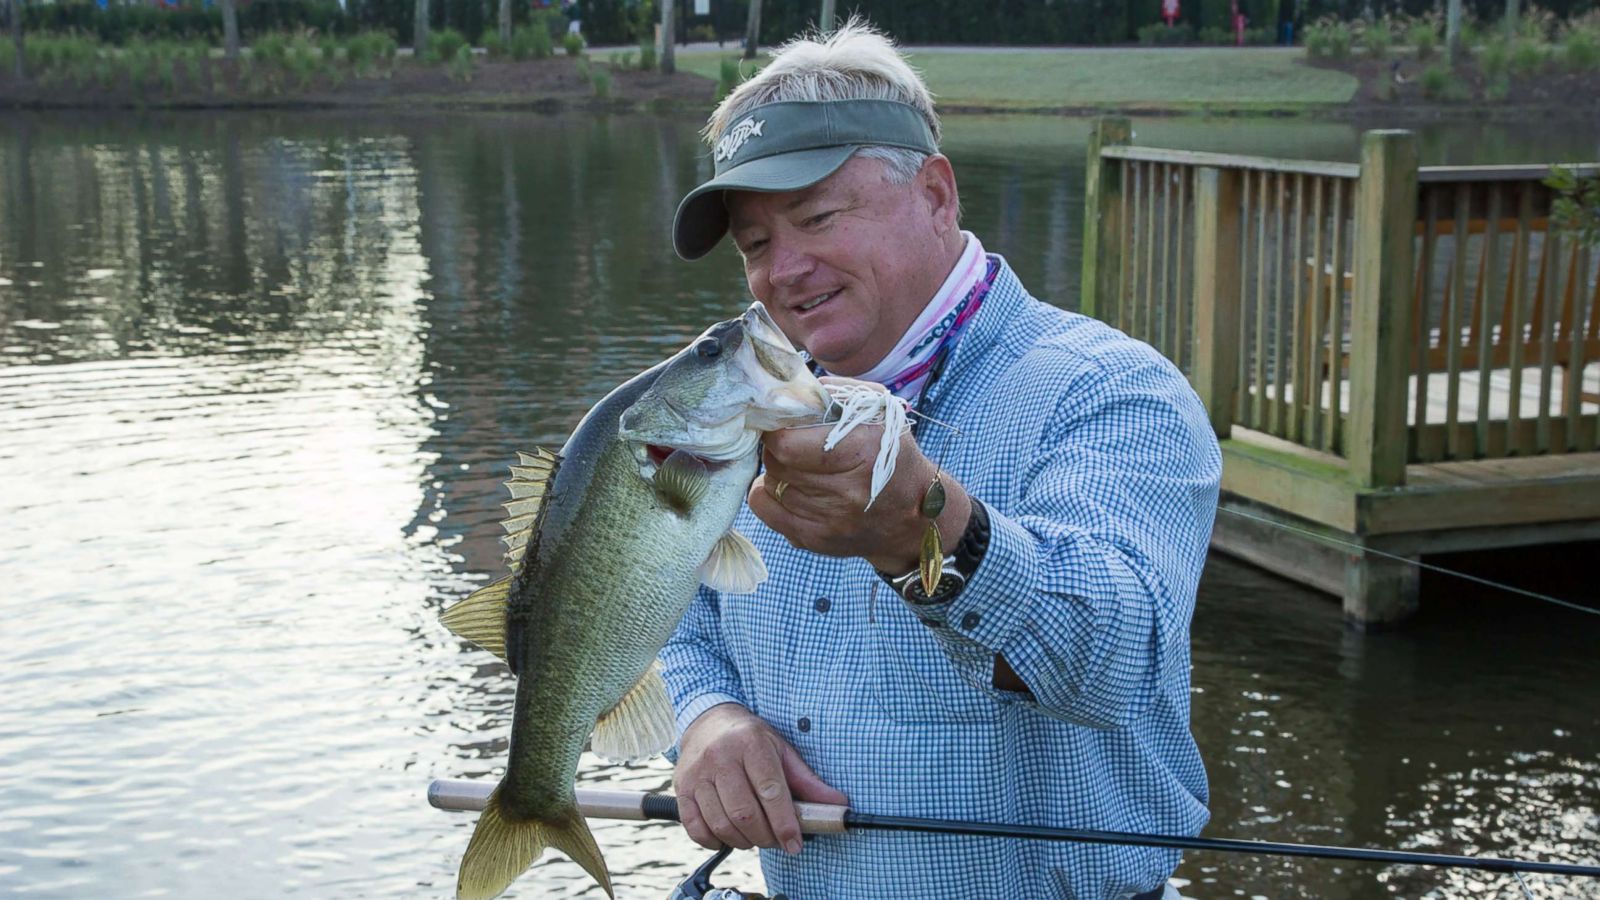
<point>735,138</point>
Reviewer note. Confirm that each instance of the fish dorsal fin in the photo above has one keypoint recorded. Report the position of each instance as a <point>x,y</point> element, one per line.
<point>681,481</point>
<point>529,482</point>
<point>734,566</point>
<point>640,725</point>
<point>481,618</point>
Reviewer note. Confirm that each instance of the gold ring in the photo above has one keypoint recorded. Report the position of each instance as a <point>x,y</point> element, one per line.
<point>777,492</point>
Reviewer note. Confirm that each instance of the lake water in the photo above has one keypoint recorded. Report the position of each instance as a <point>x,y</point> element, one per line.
<point>260,376</point>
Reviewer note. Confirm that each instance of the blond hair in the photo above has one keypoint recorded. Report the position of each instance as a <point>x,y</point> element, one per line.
<point>856,62</point>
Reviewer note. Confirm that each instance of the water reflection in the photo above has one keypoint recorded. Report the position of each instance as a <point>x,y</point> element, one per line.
<point>259,379</point>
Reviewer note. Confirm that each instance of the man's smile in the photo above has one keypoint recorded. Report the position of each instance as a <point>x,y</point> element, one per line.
<point>815,302</point>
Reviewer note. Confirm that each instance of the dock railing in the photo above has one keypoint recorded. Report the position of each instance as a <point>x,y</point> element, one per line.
<point>1379,313</point>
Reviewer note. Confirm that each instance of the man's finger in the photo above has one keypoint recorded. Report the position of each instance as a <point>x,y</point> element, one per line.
<point>695,824</point>
<point>711,810</point>
<point>807,785</point>
<point>743,810</point>
<point>765,771</point>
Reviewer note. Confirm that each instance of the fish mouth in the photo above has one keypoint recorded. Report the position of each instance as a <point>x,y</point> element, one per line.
<point>658,453</point>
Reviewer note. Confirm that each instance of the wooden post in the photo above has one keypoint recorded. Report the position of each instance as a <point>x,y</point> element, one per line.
<point>1103,238</point>
<point>1380,314</point>
<point>1379,590</point>
<point>1216,294</point>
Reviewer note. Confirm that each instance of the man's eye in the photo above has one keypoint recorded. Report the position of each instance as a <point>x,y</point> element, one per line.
<point>752,247</point>
<point>820,218</point>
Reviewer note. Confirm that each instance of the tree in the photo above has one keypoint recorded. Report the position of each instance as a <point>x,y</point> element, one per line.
<point>505,23</point>
<point>1512,15</point>
<point>230,29</point>
<point>825,24</point>
<point>14,13</point>
<point>1452,30</point>
<point>419,31</point>
<point>669,37</point>
<point>752,29</point>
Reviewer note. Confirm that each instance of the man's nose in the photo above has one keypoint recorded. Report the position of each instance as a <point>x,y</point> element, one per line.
<point>790,265</point>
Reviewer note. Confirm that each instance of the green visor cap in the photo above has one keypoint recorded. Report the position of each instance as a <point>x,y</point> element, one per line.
<point>787,146</point>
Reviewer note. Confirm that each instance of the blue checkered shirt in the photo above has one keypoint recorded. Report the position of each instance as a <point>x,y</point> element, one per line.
<point>1099,471</point>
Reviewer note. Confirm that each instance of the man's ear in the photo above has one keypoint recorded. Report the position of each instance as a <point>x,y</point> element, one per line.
<point>937,183</point>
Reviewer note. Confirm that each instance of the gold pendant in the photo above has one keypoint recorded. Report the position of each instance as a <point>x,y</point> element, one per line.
<point>932,562</point>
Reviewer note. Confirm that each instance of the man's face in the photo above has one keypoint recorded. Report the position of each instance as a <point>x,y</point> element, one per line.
<point>845,265</point>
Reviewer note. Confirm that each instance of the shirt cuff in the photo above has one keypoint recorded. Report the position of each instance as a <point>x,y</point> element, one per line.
<point>689,712</point>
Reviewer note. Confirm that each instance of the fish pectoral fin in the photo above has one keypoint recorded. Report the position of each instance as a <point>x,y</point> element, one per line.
<point>682,481</point>
<point>640,725</point>
<point>481,618</point>
<point>734,566</point>
<point>503,848</point>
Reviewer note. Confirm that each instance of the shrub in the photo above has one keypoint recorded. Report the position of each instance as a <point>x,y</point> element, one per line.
<point>1576,206</point>
<point>531,41</point>
<point>1527,56</point>
<point>369,51</point>
<point>572,43</point>
<point>443,45</point>
<point>1161,35</point>
<point>1422,33</point>
<point>1580,48</point>
<point>647,55</point>
<point>1436,81</point>
<point>270,49</point>
<point>1328,38</point>
<point>302,60</point>
<point>1495,58</point>
<point>461,64</point>
<point>492,46</point>
<point>600,77</point>
<point>1376,38</point>
<point>1217,37</point>
<point>1536,25</point>
<point>1497,88</point>
<point>728,76</point>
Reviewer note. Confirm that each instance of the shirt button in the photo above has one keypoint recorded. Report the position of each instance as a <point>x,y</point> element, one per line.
<point>822,604</point>
<point>969,621</point>
<point>804,724</point>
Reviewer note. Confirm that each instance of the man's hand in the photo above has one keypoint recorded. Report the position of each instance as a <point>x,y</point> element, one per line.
<point>823,503</point>
<point>737,782</point>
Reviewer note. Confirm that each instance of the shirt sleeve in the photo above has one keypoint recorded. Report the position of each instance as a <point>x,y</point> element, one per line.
<point>1088,584</point>
<point>695,662</point>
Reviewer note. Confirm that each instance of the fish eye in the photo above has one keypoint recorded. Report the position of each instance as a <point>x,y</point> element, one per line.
<point>710,348</point>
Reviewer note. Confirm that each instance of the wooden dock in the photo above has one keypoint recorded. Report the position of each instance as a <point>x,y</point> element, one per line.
<point>1402,358</point>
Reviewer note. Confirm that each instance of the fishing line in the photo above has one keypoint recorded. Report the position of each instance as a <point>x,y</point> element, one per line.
<point>1524,885</point>
<point>1418,563</point>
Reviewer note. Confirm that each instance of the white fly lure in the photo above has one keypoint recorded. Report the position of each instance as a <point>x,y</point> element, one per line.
<point>864,403</point>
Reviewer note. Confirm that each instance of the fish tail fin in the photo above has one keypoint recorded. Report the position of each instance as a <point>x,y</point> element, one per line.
<point>503,848</point>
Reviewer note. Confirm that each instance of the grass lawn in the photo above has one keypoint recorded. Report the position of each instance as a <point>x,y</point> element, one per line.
<point>1123,77</point>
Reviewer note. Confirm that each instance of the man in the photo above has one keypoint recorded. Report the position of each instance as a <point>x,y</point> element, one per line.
<point>1045,680</point>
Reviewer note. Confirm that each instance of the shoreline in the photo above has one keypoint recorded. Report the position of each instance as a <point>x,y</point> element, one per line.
<point>567,84</point>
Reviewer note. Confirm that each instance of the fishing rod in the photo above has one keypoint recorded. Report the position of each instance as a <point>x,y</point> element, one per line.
<point>823,818</point>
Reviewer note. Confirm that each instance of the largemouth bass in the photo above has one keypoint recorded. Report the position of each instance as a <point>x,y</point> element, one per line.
<point>609,541</point>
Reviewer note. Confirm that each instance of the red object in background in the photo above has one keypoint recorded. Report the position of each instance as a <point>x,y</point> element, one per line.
<point>1238,24</point>
<point>1169,11</point>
